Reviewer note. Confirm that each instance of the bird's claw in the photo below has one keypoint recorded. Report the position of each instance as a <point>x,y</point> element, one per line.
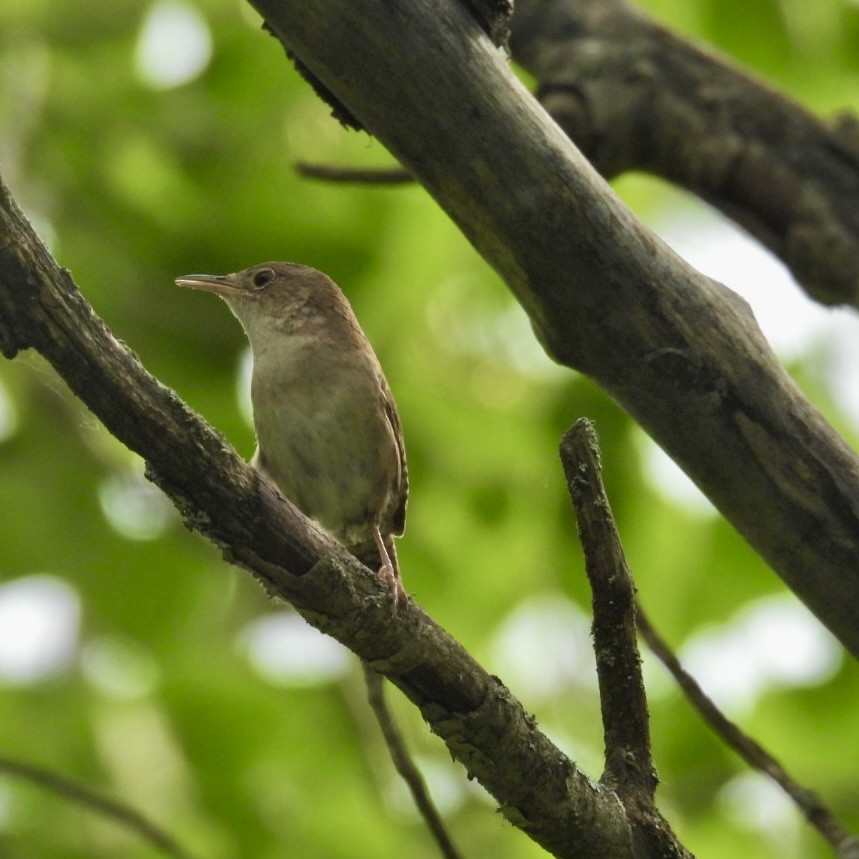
<point>395,586</point>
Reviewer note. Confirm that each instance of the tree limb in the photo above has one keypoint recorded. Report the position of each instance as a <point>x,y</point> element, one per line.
<point>538,788</point>
<point>846,846</point>
<point>634,96</point>
<point>680,352</point>
<point>354,175</point>
<point>626,722</point>
<point>123,815</point>
<point>404,764</point>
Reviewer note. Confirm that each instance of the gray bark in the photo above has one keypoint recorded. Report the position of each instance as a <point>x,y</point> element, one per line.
<point>634,96</point>
<point>682,354</point>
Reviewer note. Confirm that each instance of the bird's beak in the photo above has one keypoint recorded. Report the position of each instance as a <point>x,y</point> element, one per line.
<point>221,284</point>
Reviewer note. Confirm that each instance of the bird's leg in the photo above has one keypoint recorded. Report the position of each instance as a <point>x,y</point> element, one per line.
<point>388,571</point>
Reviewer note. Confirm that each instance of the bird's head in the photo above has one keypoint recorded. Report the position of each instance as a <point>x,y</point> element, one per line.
<point>283,295</point>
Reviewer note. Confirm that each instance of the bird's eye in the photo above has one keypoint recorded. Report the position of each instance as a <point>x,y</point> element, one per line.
<point>263,277</point>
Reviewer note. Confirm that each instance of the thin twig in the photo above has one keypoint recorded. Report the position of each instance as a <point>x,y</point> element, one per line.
<point>355,175</point>
<point>817,814</point>
<point>626,725</point>
<point>82,795</point>
<point>404,764</point>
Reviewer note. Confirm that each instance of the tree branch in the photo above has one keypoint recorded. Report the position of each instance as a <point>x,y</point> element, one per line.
<point>634,96</point>
<point>626,722</point>
<point>538,788</point>
<point>120,813</point>
<point>404,765</point>
<point>818,815</point>
<point>681,353</point>
<point>354,175</point>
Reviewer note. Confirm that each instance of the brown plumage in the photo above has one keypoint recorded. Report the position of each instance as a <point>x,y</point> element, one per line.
<point>327,427</point>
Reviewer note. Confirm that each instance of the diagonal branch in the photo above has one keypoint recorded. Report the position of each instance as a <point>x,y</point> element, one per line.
<point>405,766</point>
<point>117,811</point>
<point>809,803</point>
<point>634,96</point>
<point>538,788</point>
<point>681,353</point>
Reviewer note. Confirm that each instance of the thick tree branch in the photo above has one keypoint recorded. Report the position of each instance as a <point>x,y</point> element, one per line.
<point>484,726</point>
<point>681,353</point>
<point>634,96</point>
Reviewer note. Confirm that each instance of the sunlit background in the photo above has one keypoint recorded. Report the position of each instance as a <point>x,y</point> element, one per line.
<point>147,140</point>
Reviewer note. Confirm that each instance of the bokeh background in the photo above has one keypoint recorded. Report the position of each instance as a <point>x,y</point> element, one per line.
<point>151,139</point>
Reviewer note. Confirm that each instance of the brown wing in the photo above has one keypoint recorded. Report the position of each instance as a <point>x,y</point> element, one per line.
<point>396,517</point>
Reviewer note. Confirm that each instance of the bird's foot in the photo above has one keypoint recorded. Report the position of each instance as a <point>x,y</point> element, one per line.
<point>395,586</point>
<point>389,572</point>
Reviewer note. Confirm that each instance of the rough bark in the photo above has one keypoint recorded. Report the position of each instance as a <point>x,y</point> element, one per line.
<point>633,96</point>
<point>537,787</point>
<point>681,353</point>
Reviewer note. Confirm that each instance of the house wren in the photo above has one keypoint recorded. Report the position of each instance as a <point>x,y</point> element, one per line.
<point>328,432</point>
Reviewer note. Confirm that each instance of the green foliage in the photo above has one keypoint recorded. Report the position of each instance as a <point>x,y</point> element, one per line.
<point>158,701</point>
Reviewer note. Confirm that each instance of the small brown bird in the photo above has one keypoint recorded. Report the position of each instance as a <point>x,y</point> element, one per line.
<point>328,432</point>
